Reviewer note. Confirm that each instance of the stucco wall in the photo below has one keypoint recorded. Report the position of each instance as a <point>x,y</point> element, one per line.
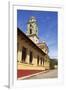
<point>29,47</point>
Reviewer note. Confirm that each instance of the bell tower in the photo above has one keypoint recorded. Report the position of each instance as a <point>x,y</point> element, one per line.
<point>32,29</point>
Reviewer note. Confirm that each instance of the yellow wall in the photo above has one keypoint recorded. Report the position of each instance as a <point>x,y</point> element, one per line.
<point>23,43</point>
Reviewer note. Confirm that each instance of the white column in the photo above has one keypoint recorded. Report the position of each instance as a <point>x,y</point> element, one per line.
<point>43,62</point>
<point>39,60</point>
<point>19,56</point>
<point>27,56</point>
<point>35,61</point>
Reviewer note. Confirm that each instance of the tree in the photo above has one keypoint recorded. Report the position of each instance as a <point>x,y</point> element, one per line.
<point>53,62</point>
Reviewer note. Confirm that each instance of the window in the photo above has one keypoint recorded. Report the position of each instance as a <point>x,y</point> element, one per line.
<point>37,60</point>
<point>30,25</point>
<point>17,51</point>
<point>41,61</point>
<point>30,31</point>
<point>23,54</point>
<point>31,57</point>
<point>17,47</point>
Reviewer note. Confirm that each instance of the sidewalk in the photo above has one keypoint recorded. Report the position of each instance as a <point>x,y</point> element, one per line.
<point>22,74</point>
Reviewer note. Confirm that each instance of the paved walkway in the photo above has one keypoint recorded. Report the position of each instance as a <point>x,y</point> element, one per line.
<point>50,74</point>
<point>23,73</point>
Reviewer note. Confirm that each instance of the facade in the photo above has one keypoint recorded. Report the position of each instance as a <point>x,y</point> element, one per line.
<point>31,55</point>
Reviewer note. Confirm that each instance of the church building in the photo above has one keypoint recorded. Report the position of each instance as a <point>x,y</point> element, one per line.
<point>32,55</point>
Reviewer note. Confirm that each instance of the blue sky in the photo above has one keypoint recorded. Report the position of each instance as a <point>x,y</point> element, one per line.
<point>47,27</point>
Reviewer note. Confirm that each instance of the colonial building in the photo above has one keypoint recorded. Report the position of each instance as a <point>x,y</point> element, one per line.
<point>31,55</point>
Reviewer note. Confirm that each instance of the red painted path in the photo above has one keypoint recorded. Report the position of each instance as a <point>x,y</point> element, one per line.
<point>22,73</point>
